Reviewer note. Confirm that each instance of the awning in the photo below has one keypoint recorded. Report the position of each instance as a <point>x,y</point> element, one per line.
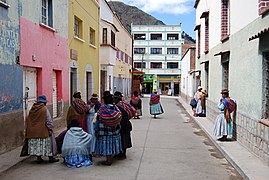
<point>259,34</point>
<point>204,14</point>
<point>221,53</point>
<point>197,27</point>
<point>137,72</point>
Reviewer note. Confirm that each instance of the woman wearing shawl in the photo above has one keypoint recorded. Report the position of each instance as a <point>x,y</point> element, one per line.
<point>155,105</point>
<point>197,97</point>
<point>77,110</point>
<point>76,144</point>
<point>94,106</point>
<point>137,104</point>
<point>126,126</point>
<point>39,131</point>
<point>223,124</point>
<point>107,129</point>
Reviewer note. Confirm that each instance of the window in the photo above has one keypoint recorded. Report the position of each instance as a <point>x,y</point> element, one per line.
<point>156,36</point>
<point>139,36</point>
<point>207,76</point>
<point>113,39</point>
<point>225,70</point>
<point>47,13</point>
<point>266,79</point>
<point>139,50</point>
<point>78,27</point>
<point>172,65</point>
<point>172,36</point>
<point>156,51</point>
<point>156,65</point>
<point>172,50</point>
<point>92,36</point>
<point>263,6</point>
<point>206,33</point>
<point>139,65</point>
<point>225,19</point>
<point>104,35</point>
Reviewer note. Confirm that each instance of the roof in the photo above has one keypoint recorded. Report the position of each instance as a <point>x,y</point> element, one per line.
<point>259,34</point>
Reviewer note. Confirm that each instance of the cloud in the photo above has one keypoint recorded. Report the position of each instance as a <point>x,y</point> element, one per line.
<point>176,7</point>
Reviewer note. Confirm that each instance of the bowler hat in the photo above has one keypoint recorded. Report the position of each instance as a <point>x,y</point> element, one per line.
<point>77,95</point>
<point>107,94</point>
<point>117,94</point>
<point>42,99</point>
<point>224,91</point>
<point>94,96</point>
<point>199,87</point>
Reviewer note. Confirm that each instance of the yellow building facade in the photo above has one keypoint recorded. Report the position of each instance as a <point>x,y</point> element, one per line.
<point>84,16</point>
<point>122,74</point>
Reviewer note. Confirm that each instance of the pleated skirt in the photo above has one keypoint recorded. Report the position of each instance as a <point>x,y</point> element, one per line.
<point>108,145</point>
<point>156,109</point>
<point>222,128</point>
<point>76,161</point>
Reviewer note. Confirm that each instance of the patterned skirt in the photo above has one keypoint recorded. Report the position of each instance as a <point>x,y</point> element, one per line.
<point>76,161</point>
<point>222,128</point>
<point>108,145</point>
<point>156,109</point>
<point>40,147</point>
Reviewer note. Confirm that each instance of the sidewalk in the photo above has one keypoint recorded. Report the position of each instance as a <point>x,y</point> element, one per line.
<point>246,163</point>
<point>12,158</point>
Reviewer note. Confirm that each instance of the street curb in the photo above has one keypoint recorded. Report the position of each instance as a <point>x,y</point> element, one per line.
<point>225,154</point>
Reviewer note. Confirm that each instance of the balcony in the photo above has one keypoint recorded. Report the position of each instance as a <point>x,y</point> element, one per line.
<point>107,56</point>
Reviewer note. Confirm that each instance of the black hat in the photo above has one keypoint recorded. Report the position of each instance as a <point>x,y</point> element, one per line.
<point>107,94</point>
<point>118,94</point>
<point>76,95</point>
<point>224,91</point>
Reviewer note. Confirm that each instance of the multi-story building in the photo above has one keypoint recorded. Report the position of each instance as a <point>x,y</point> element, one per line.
<point>108,51</point>
<point>123,70</point>
<point>11,86</point>
<point>84,18</point>
<point>233,52</point>
<point>189,82</point>
<point>157,52</point>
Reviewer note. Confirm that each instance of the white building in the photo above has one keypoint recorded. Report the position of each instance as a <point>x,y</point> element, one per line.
<point>233,52</point>
<point>189,76</point>
<point>157,52</point>
<point>108,49</point>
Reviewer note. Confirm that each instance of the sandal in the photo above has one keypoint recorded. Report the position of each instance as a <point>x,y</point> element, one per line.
<point>106,163</point>
<point>53,160</point>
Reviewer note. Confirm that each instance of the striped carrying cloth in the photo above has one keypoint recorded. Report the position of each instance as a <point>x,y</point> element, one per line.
<point>154,98</point>
<point>80,106</point>
<point>110,115</point>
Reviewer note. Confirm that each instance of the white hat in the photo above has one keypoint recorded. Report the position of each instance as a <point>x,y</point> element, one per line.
<point>199,87</point>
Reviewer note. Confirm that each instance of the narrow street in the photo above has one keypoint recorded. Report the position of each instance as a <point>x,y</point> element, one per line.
<point>169,147</point>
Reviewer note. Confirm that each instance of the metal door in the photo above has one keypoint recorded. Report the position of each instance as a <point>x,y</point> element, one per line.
<point>30,89</point>
<point>54,95</point>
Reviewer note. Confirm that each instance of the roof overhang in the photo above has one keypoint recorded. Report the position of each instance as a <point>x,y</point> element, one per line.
<point>259,34</point>
<point>110,23</point>
<point>197,27</point>
<point>204,14</point>
<point>221,53</point>
<point>196,3</point>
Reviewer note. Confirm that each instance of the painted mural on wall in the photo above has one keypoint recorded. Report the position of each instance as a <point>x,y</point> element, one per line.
<point>10,72</point>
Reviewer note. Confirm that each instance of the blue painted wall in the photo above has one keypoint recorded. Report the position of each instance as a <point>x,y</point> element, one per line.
<point>11,76</point>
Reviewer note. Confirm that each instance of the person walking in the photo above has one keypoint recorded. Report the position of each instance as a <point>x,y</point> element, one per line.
<point>197,97</point>
<point>223,123</point>
<point>107,129</point>
<point>136,102</point>
<point>126,126</point>
<point>39,131</point>
<point>77,110</point>
<point>155,105</point>
<point>76,146</point>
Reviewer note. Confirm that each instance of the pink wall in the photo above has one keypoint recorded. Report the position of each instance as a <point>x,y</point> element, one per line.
<point>51,52</point>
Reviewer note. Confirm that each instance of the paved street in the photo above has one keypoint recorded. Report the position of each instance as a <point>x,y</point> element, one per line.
<point>170,147</point>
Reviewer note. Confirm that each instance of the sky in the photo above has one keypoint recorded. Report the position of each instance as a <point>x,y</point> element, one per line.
<point>171,12</point>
